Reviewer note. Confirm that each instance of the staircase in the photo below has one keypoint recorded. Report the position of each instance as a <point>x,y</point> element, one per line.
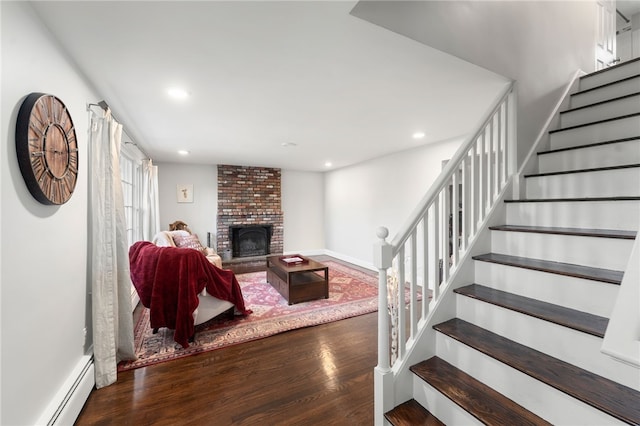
<point>524,347</point>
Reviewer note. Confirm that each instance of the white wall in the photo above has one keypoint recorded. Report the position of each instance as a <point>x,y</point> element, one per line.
<point>43,248</point>
<point>379,192</point>
<point>199,215</point>
<point>540,44</point>
<point>303,211</point>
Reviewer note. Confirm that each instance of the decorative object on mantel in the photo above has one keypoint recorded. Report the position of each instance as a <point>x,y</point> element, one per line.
<point>185,193</point>
<point>47,148</point>
<point>351,291</point>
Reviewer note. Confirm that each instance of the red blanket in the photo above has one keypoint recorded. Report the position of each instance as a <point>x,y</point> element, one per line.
<point>168,281</point>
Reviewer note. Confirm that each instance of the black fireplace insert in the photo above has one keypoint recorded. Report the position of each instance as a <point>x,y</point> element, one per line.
<point>250,240</point>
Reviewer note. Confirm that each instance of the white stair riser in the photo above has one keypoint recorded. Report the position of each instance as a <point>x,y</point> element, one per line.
<point>612,109</point>
<point>607,253</point>
<point>600,132</point>
<point>572,346</point>
<point>550,404</point>
<point>594,297</point>
<point>611,75</point>
<point>439,405</point>
<point>605,93</point>
<point>614,154</point>
<point>605,183</point>
<point>621,215</point>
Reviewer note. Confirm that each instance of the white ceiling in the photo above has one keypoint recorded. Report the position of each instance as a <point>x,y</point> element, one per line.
<point>265,73</point>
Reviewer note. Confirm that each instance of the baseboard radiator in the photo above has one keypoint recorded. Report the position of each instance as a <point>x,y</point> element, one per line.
<point>65,407</point>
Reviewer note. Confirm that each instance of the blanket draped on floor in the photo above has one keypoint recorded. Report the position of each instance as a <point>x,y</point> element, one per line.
<point>168,281</point>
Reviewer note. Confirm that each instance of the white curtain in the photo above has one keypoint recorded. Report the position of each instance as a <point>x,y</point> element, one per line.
<point>150,203</point>
<point>111,282</point>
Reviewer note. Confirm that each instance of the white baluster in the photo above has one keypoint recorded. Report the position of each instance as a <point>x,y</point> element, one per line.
<point>474,183</point>
<point>490,167</point>
<point>436,247</point>
<point>426,268</point>
<point>401,303</point>
<point>455,200</point>
<point>499,152</point>
<point>465,204</point>
<point>413,300</point>
<point>444,230</point>
<point>482,183</point>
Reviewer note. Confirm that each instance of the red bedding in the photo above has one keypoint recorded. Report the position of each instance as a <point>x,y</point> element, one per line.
<point>168,281</point>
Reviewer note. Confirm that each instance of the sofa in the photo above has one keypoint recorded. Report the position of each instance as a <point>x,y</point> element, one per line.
<point>184,239</point>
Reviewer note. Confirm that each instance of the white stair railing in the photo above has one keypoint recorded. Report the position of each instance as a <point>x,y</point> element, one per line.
<point>426,252</point>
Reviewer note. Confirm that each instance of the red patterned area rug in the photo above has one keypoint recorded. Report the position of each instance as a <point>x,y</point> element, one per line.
<point>351,293</point>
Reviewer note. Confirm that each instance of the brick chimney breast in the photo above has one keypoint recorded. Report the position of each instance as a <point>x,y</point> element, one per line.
<point>249,196</point>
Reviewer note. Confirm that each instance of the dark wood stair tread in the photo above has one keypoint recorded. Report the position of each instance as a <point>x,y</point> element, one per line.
<point>568,269</point>
<point>604,70</point>
<point>411,413</point>
<point>595,104</point>
<point>589,145</point>
<point>478,399</point>
<point>590,170</point>
<point>611,83</point>
<point>606,395</point>
<point>593,169</point>
<point>594,123</point>
<point>571,318</point>
<point>582,232</point>
<point>578,199</point>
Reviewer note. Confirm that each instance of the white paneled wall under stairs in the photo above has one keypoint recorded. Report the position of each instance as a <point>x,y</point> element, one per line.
<point>525,344</point>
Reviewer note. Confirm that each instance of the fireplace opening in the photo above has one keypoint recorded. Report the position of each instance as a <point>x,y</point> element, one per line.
<point>250,240</point>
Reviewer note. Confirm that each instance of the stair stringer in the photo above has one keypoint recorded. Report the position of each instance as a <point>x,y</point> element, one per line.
<point>424,345</point>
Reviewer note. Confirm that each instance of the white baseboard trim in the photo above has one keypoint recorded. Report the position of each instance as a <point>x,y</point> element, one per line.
<point>65,407</point>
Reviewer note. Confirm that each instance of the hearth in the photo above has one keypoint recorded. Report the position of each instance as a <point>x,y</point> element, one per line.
<point>250,240</point>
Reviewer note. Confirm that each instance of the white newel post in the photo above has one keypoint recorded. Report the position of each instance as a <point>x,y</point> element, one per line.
<point>383,377</point>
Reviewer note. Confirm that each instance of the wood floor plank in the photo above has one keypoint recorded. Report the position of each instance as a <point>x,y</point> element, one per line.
<point>608,396</point>
<point>314,375</point>
<point>568,269</point>
<point>478,399</point>
<point>571,318</point>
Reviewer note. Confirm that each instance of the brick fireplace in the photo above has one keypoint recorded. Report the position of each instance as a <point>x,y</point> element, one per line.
<point>249,197</point>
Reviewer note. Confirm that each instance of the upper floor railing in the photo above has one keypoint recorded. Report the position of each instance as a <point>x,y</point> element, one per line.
<point>425,253</point>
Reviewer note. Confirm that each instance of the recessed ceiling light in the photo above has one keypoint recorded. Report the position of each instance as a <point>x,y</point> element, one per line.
<point>183,152</point>
<point>285,144</point>
<point>418,135</point>
<point>177,93</point>
<point>328,164</point>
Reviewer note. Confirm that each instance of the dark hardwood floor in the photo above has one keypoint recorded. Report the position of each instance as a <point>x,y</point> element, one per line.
<point>316,375</point>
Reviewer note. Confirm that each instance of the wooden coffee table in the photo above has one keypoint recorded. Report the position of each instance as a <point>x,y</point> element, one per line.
<point>298,282</point>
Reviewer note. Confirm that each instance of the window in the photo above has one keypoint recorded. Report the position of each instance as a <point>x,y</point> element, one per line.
<point>131,177</point>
